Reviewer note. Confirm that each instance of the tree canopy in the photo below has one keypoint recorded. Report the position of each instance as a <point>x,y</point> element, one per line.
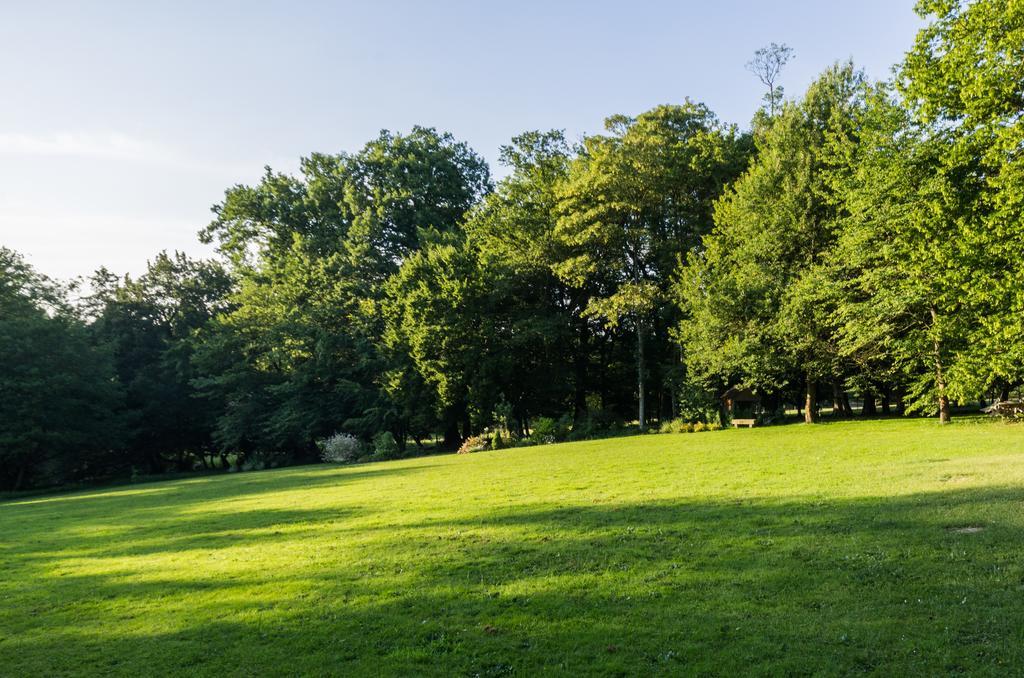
<point>861,242</point>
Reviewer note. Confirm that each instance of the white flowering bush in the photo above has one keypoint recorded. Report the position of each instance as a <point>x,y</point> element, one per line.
<point>341,448</point>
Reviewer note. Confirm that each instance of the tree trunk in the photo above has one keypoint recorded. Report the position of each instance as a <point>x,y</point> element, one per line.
<point>1004,393</point>
<point>640,375</point>
<point>944,415</point>
<point>451,435</point>
<point>810,401</point>
<point>940,379</point>
<point>401,437</point>
<point>837,400</point>
<point>868,409</point>
<point>886,405</point>
<point>580,374</point>
<point>20,479</point>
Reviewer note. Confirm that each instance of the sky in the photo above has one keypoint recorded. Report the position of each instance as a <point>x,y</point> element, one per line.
<point>122,123</point>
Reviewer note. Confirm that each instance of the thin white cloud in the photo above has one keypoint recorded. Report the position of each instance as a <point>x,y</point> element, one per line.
<point>86,144</point>
<point>119,147</point>
<point>65,243</point>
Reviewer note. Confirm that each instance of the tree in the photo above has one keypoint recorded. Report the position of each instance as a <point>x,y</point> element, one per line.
<point>635,200</point>
<point>961,82</point>
<point>901,261</point>
<point>149,325</point>
<point>301,354</point>
<point>767,65</point>
<point>514,232</point>
<point>59,401</point>
<point>755,298</point>
<point>398,186</point>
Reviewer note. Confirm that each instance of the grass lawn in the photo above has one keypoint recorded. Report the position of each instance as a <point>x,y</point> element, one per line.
<point>890,547</point>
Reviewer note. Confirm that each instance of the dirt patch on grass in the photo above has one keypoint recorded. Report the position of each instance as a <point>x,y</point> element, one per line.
<point>966,529</point>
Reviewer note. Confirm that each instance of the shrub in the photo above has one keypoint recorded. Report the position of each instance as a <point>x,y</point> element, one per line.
<point>384,447</point>
<point>546,430</point>
<point>475,444</point>
<point>700,426</point>
<point>676,426</point>
<point>714,426</point>
<point>340,448</point>
<point>497,442</point>
<point>597,423</point>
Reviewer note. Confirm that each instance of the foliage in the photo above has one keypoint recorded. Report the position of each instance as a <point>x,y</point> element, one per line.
<point>475,444</point>
<point>545,430</point>
<point>862,237</point>
<point>149,324</point>
<point>961,82</point>
<point>636,200</point>
<point>684,426</point>
<point>341,448</point>
<point>60,414</point>
<point>756,296</point>
<point>385,446</point>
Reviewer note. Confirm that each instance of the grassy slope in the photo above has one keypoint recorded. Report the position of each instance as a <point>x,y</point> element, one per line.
<point>799,549</point>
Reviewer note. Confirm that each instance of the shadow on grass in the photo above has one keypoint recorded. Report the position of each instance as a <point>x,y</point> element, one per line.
<point>157,495</point>
<point>794,586</point>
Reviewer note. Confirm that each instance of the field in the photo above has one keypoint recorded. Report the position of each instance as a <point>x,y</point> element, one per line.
<point>888,547</point>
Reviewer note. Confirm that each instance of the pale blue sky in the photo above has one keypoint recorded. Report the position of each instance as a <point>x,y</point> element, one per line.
<point>122,122</point>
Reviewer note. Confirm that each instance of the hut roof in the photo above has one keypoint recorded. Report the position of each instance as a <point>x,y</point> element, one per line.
<point>738,393</point>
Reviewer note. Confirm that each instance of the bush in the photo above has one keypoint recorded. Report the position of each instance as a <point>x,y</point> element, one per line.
<point>341,448</point>
<point>714,426</point>
<point>597,423</point>
<point>384,447</point>
<point>700,426</point>
<point>546,430</point>
<point>475,444</point>
<point>497,442</point>
<point>677,426</point>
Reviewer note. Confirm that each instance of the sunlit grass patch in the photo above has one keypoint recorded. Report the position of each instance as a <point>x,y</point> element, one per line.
<point>846,547</point>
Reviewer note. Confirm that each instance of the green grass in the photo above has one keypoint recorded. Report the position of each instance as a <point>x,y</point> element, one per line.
<point>823,550</point>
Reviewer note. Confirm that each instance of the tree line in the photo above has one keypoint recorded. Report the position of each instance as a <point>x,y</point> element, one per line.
<point>864,238</point>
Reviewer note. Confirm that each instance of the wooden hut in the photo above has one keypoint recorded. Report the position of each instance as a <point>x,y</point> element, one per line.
<point>742,405</point>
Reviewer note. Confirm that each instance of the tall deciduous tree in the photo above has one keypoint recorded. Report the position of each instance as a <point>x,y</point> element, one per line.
<point>301,355</point>
<point>767,65</point>
<point>635,200</point>
<point>59,401</point>
<point>149,324</point>
<point>756,297</point>
<point>962,82</point>
<point>901,260</point>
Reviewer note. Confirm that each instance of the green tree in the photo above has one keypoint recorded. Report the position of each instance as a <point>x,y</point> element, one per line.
<point>400,185</point>
<point>902,261</point>
<point>149,324</point>
<point>301,354</point>
<point>637,199</point>
<point>961,82</point>
<point>756,297</point>
<point>59,401</point>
